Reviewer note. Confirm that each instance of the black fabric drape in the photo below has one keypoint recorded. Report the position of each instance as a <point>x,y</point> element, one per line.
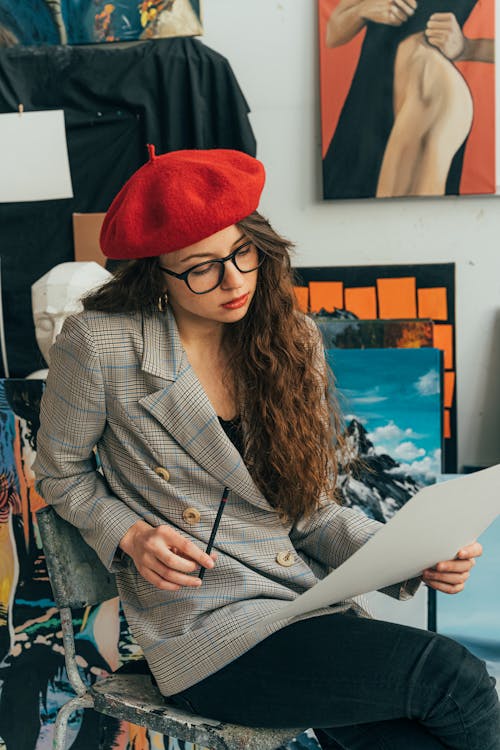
<point>174,93</point>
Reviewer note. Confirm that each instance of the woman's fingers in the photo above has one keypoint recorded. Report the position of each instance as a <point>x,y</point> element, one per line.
<point>470,551</point>
<point>165,558</point>
<point>158,581</point>
<point>406,6</point>
<point>443,32</point>
<point>447,583</point>
<point>182,548</point>
<point>175,576</point>
<point>449,576</point>
<point>447,588</point>
<point>454,566</point>
<point>397,13</point>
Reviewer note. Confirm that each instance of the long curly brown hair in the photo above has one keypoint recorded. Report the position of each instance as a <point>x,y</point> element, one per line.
<point>291,424</point>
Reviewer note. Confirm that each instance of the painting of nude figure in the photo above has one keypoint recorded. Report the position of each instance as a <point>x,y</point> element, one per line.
<point>407,97</point>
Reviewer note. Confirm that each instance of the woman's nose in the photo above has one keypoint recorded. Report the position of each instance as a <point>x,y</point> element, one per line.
<point>232,277</point>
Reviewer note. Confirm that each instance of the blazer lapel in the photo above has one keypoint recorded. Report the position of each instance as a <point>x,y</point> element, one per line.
<point>182,407</point>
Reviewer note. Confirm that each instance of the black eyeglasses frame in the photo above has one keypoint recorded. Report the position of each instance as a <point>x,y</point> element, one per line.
<point>222,261</point>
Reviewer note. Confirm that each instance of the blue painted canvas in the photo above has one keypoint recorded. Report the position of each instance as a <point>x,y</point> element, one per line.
<point>473,617</point>
<point>391,403</point>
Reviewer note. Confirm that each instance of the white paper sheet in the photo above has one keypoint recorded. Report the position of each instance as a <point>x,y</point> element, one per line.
<point>34,162</point>
<point>432,526</point>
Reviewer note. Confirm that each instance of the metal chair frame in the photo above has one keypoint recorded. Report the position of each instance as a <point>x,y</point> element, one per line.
<point>78,578</point>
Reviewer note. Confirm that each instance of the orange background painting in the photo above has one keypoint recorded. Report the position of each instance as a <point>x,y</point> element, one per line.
<point>337,68</point>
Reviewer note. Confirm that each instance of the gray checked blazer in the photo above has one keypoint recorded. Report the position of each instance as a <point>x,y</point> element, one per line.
<point>123,382</point>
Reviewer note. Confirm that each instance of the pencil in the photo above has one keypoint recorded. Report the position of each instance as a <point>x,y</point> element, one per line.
<point>215,527</point>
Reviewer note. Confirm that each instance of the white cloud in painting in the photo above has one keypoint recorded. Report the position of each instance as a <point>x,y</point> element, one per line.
<point>369,399</point>
<point>349,417</point>
<point>390,432</point>
<point>425,469</point>
<point>428,384</point>
<point>408,451</point>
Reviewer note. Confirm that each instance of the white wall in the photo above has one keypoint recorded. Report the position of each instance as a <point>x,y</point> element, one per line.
<point>272,48</point>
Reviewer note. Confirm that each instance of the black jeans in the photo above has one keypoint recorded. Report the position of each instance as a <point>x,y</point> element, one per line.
<point>366,684</point>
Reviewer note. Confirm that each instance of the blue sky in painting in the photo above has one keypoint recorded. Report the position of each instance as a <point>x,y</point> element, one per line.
<point>475,612</point>
<point>473,616</point>
<point>396,395</point>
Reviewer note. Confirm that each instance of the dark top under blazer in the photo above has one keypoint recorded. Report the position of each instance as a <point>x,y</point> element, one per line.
<point>123,382</point>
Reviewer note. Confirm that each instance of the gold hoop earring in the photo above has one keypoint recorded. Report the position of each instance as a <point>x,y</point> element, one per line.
<point>163,302</point>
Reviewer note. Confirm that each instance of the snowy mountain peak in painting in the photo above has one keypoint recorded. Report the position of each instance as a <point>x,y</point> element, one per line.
<point>375,483</point>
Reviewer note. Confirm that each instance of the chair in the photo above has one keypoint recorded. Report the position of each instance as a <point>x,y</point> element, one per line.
<point>78,579</point>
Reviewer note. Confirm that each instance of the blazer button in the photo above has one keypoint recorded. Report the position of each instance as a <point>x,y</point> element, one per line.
<point>285,558</point>
<point>163,473</point>
<point>191,516</point>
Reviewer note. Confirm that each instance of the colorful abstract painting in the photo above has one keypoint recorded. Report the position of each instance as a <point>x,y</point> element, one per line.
<point>407,102</point>
<point>93,21</point>
<point>33,680</point>
<point>374,334</point>
<point>393,292</point>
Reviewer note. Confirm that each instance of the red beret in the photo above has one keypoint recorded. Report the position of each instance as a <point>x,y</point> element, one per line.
<point>180,198</point>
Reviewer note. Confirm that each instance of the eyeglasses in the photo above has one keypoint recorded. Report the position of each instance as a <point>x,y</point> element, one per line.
<point>207,276</point>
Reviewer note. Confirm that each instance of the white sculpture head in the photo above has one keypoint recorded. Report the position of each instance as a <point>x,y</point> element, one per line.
<point>57,294</point>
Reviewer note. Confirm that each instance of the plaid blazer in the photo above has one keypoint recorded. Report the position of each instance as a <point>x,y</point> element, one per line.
<point>123,383</point>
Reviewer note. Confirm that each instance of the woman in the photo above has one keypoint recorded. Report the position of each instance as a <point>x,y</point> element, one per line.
<point>194,372</point>
<point>414,104</point>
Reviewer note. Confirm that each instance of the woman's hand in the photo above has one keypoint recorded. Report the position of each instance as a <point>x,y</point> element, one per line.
<point>350,16</point>
<point>164,557</point>
<point>450,576</point>
<point>388,12</point>
<point>443,32</point>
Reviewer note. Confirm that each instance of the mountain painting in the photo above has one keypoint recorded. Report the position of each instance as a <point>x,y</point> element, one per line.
<point>391,403</point>
<point>473,617</point>
<point>392,293</point>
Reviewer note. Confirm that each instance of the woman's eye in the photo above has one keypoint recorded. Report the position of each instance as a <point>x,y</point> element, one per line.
<point>203,270</point>
<point>244,251</point>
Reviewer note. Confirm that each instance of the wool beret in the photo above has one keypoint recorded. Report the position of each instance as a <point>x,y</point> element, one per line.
<point>179,198</point>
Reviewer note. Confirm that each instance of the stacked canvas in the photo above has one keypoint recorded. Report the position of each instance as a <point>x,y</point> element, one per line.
<point>390,308</point>
<point>391,400</point>
<point>391,293</point>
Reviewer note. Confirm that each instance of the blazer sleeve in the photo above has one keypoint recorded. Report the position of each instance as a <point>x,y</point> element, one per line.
<point>334,533</point>
<point>72,419</point>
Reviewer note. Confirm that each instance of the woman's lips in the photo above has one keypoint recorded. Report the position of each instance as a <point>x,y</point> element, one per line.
<point>234,304</point>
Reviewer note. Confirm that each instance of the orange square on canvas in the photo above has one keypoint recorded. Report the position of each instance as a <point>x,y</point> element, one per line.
<point>443,339</point>
<point>362,301</point>
<point>397,298</point>
<point>302,295</point>
<point>432,303</point>
<point>449,388</point>
<point>326,295</point>
<point>446,424</point>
